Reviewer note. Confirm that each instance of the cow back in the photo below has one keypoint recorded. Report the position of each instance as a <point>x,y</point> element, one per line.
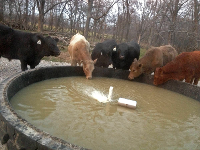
<point>102,53</point>
<point>79,48</point>
<point>169,53</point>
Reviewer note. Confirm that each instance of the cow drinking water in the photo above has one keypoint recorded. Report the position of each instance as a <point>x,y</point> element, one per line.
<point>153,58</point>
<point>29,48</point>
<point>79,52</point>
<point>185,66</point>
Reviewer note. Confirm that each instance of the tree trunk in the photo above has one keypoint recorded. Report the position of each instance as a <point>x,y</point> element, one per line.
<point>40,5</point>
<point>26,15</point>
<point>1,10</point>
<point>33,17</point>
<point>196,22</point>
<point>128,21</point>
<point>172,26</point>
<point>61,16</point>
<point>89,15</point>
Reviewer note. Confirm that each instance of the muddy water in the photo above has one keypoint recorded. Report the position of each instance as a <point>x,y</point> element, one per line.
<point>69,108</point>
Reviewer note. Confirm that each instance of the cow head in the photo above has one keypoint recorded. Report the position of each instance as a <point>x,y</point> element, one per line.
<point>88,67</point>
<point>158,76</point>
<point>161,76</point>
<point>46,45</point>
<point>122,50</point>
<point>104,60</point>
<point>135,69</point>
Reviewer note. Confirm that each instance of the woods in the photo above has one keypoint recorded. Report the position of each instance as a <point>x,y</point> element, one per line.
<point>148,22</point>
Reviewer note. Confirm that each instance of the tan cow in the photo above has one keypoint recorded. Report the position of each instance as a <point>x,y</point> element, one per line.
<point>153,58</point>
<point>79,52</point>
<point>184,66</point>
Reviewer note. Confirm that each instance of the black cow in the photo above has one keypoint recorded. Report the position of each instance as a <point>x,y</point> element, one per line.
<point>124,55</point>
<point>102,53</point>
<point>29,48</point>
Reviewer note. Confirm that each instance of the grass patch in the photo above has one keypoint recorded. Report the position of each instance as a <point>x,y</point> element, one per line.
<point>142,52</point>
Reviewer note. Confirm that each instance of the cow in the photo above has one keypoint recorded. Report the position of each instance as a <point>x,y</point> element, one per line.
<point>79,53</point>
<point>185,66</point>
<point>29,48</point>
<point>153,58</point>
<point>124,55</point>
<point>102,53</point>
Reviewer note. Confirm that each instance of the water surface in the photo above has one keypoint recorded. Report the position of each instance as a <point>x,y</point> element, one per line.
<point>68,108</point>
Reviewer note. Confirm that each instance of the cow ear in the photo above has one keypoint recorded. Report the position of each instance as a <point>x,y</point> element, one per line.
<point>140,65</point>
<point>114,49</point>
<point>39,42</point>
<point>38,39</point>
<point>135,60</point>
<point>95,61</point>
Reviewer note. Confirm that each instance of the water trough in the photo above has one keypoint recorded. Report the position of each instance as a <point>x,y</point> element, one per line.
<point>17,133</point>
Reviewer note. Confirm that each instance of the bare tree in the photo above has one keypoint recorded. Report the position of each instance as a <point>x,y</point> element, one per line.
<point>40,5</point>
<point>89,14</point>
<point>26,14</point>
<point>42,11</point>
<point>174,7</point>
<point>2,10</point>
<point>196,21</point>
<point>152,22</point>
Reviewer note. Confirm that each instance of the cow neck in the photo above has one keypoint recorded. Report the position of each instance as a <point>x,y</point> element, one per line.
<point>40,53</point>
<point>85,57</point>
<point>144,62</point>
<point>171,67</point>
<point>172,76</point>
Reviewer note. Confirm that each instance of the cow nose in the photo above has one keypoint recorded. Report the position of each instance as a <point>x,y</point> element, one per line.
<point>57,53</point>
<point>130,78</point>
<point>155,83</point>
<point>121,57</point>
<point>89,77</point>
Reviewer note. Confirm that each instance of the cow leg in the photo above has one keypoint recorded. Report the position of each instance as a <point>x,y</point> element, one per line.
<point>196,80</point>
<point>23,65</point>
<point>188,80</point>
<point>73,62</point>
<point>32,66</point>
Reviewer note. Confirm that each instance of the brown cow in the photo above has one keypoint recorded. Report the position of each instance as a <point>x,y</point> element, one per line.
<point>184,66</point>
<point>153,58</point>
<point>79,52</point>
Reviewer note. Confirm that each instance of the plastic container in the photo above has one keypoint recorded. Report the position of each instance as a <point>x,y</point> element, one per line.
<point>127,103</point>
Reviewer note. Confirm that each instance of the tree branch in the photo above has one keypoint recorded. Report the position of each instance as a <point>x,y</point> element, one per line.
<point>55,5</point>
<point>105,13</point>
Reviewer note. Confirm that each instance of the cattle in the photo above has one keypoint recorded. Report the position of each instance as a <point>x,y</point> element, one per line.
<point>79,53</point>
<point>124,55</point>
<point>153,58</point>
<point>102,53</point>
<point>185,66</point>
<point>29,48</point>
